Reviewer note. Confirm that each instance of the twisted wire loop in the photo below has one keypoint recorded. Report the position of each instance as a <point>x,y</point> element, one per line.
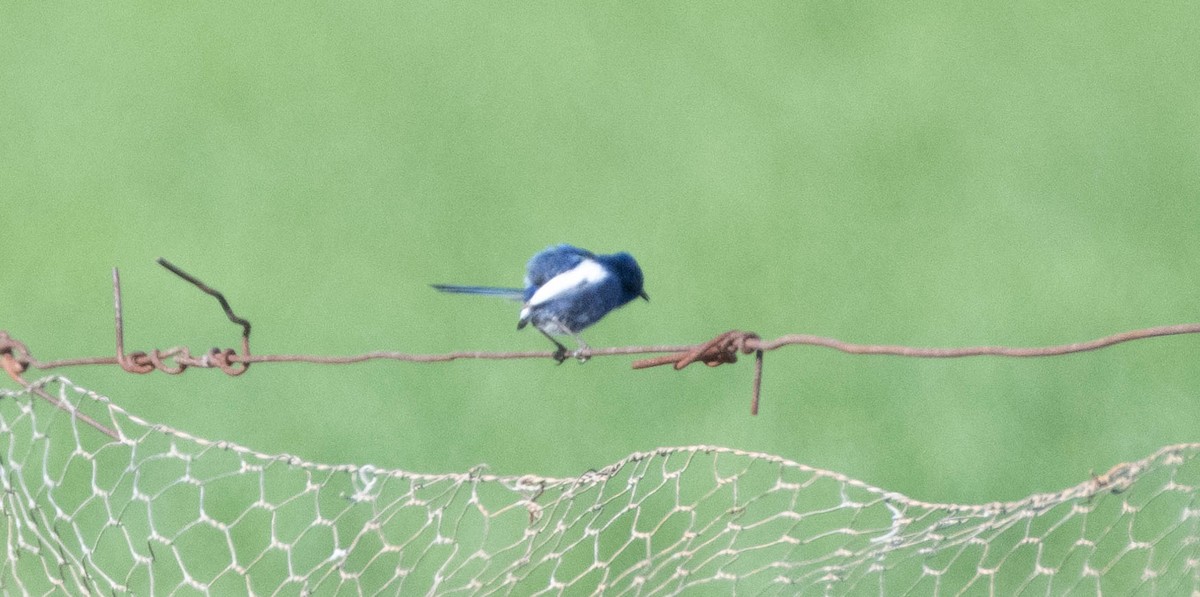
<point>174,361</point>
<point>227,360</point>
<point>156,359</point>
<point>16,351</point>
<point>718,351</point>
<point>134,362</point>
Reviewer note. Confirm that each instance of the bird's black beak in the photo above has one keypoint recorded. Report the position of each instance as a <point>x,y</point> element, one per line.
<point>644,296</point>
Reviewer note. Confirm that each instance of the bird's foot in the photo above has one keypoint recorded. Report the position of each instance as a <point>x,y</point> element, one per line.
<point>581,355</point>
<point>560,355</point>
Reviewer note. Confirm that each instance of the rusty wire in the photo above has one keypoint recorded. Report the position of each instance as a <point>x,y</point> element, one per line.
<point>142,362</point>
<point>10,361</point>
<point>16,358</point>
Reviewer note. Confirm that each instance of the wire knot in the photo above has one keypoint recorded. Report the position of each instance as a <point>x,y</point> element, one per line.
<point>16,351</point>
<point>135,362</point>
<point>227,360</point>
<point>224,360</point>
<point>718,351</point>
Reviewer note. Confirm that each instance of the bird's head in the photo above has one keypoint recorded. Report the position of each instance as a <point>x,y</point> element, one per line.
<point>625,267</point>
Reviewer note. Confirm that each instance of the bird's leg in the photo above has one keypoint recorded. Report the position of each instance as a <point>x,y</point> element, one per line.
<point>560,353</point>
<point>583,347</point>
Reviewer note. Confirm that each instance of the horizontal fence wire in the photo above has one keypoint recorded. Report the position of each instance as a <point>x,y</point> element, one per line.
<point>16,357</point>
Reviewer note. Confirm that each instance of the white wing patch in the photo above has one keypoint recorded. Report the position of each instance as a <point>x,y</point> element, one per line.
<point>587,272</point>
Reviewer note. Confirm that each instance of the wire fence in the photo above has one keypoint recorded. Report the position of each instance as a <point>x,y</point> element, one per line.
<point>16,357</point>
<point>145,508</point>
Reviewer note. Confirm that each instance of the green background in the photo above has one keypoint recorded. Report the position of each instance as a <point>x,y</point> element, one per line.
<point>908,173</point>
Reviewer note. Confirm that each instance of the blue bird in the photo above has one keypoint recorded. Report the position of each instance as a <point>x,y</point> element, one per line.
<point>566,290</point>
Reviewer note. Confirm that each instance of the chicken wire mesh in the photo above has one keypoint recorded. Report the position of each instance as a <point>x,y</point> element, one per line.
<point>164,512</point>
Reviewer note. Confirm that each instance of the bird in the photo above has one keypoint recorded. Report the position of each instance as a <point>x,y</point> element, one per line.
<point>566,290</point>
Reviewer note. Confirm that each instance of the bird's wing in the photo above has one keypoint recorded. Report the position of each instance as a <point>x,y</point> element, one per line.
<point>551,262</point>
<point>587,271</point>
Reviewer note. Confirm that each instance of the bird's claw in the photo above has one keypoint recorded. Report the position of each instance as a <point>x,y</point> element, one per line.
<point>560,355</point>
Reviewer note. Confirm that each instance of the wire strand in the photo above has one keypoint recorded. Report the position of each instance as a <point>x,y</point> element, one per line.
<point>720,350</point>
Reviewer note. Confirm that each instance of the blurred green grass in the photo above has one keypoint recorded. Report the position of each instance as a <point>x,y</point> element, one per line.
<point>912,174</point>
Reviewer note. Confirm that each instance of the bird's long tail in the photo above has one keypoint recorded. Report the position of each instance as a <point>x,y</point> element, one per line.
<point>515,294</point>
